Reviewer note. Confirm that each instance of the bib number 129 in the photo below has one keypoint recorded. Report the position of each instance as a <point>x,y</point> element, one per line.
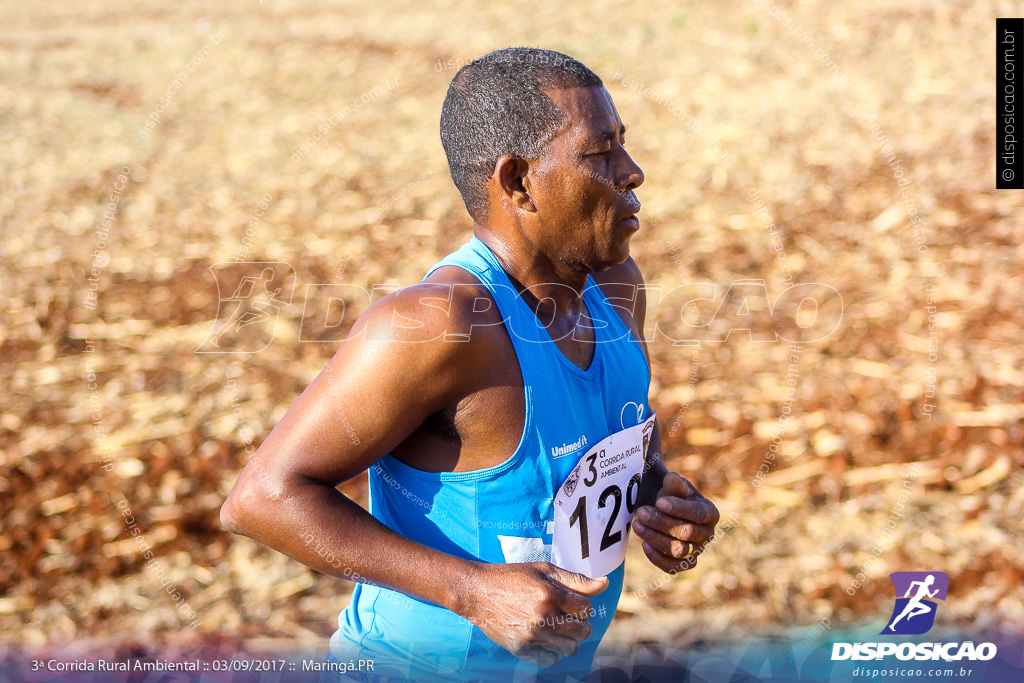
<point>609,537</point>
<point>594,505</point>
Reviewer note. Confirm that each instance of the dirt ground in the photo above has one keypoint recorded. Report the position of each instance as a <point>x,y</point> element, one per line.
<point>108,407</point>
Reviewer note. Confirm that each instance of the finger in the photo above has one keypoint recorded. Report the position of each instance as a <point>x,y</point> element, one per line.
<point>573,588</point>
<point>675,485</point>
<point>696,511</point>
<point>675,524</point>
<point>540,656</point>
<point>562,646</point>
<point>666,563</point>
<point>578,583</point>
<point>573,628</point>
<point>667,545</point>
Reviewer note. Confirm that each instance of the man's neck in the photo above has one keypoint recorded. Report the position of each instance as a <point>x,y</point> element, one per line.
<point>529,269</point>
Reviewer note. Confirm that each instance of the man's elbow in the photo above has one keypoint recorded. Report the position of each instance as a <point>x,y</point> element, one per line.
<point>241,512</point>
<point>231,515</point>
<point>253,503</point>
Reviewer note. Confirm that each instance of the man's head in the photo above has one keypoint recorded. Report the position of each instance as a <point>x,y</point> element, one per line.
<point>534,142</point>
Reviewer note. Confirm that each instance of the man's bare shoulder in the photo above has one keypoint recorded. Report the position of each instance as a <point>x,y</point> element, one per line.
<point>426,343</point>
<point>438,315</point>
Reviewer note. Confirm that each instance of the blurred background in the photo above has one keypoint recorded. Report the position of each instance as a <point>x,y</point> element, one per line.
<point>107,406</point>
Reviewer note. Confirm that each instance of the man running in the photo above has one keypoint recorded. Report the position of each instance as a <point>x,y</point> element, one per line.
<point>914,606</point>
<point>500,407</point>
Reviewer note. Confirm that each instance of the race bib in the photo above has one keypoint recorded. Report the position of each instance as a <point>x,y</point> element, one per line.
<point>595,504</point>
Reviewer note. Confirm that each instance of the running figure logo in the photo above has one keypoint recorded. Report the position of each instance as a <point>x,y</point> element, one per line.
<point>914,613</point>
<point>247,318</point>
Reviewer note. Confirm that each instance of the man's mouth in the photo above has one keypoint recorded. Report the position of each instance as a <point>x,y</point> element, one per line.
<point>633,207</point>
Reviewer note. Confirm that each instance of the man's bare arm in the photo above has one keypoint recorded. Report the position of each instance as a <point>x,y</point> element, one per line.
<point>363,404</point>
<point>395,370</point>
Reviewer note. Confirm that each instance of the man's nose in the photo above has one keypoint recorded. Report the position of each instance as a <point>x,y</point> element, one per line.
<point>632,175</point>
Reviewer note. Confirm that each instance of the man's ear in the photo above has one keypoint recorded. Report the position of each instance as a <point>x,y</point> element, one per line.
<point>513,184</point>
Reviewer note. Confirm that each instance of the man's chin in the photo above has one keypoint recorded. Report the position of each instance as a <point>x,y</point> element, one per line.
<point>622,247</point>
<point>616,257</point>
<point>623,255</point>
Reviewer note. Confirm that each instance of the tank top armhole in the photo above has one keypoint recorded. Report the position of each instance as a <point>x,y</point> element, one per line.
<point>606,305</point>
<point>522,351</point>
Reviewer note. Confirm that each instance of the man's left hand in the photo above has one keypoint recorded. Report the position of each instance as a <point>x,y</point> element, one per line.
<point>676,530</point>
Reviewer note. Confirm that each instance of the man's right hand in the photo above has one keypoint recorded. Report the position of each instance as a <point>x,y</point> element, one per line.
<point>535,610</point>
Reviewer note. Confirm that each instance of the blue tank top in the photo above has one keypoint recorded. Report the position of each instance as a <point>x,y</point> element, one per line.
<point>503,513</point>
